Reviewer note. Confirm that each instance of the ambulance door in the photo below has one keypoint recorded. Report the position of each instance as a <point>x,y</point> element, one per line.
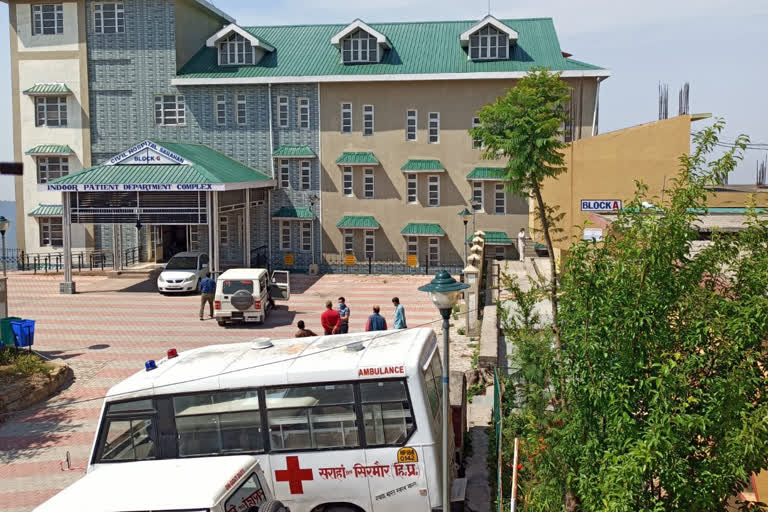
<point>397,481</point>
<point>280,287</point>
<point>316,453</point>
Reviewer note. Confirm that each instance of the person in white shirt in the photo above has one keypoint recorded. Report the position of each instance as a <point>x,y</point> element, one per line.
<point>521,244</point>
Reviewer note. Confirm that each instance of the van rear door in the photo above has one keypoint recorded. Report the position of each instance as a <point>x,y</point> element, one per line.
<point>280,285</point>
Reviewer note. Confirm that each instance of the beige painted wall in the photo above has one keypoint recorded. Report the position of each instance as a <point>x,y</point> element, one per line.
<point>606,167</point>
<point>457,102</point>
<point>193,26</point>
<point>67,41</point>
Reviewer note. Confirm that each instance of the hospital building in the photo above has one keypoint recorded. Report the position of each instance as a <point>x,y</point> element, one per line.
<point>158,126</point>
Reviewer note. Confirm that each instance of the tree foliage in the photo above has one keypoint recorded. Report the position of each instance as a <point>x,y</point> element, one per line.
<point>664,358</point>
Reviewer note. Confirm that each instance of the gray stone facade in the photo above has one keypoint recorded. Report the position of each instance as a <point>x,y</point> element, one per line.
<point>129,69</point>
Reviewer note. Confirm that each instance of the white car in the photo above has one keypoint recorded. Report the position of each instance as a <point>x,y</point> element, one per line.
<point>209,484</point>
<point>183,273</point>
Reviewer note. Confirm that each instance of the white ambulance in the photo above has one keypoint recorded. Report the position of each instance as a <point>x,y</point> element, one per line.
<point>212,484</point>
<point>347,423</point>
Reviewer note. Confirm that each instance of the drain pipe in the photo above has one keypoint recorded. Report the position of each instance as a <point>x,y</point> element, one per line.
<point>597,107</point>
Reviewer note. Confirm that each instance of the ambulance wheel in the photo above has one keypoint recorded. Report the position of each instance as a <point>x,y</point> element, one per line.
<point>221,323</point>
<point>271,506</point>
<point>340,508</point>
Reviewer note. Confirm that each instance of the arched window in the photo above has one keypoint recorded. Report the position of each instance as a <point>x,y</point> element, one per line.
<point>235,50</point>
<point>488,43</point>
<point>359,46</point>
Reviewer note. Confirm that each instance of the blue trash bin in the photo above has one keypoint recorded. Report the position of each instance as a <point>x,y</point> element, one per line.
<point>24,332</point>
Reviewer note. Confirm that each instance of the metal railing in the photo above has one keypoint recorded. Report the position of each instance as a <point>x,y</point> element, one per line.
<point>53,262</point>
<point>392,264</point>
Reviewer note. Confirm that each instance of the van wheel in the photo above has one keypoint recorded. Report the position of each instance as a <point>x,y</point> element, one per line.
<point>221,323</point>
<point>271,506</point>
<point>340,508</point>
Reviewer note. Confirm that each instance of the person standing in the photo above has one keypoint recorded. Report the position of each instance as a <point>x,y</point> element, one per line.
<point>330,319</point>
<point>521,244</point>
<point>302,332</point>
<point>207,290</point>
<point>344,316</point>
<point>399,314</point>
<point>376,322</point>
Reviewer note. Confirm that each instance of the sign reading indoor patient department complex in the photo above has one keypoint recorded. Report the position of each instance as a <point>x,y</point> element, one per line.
<point>135,187</point>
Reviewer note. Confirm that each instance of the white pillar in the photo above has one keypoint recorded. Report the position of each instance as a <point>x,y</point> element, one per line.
<point>211,245</point>
<point>248,228</point>
<point>215,223</point>
<point>67,287</point>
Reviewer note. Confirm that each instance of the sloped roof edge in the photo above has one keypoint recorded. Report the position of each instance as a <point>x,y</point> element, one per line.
<point>358,23</point>
<point>488,20</point>
<point>232,27</point>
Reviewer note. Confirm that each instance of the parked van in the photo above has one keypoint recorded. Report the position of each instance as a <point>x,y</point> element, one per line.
<point>210,484</point>
<point>248,294</point>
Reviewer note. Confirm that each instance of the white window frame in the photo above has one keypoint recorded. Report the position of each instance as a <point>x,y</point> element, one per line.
<point>499,192</point>
<point>223,230</point>
<point>369,183</point>
<point>99,27</point>
<point>39,21</point>
<point>349,241</point>
<point>170,112</point>
<point>411,132</point>
<point>51,167</point>
<point>489,43</point>
<point>479,186</point>
<point>285,173</point>
<point>303,112</point>
<point>236,50</point>
<point>283,113</point>
<point>412,188</point>
<point>434,126</point>
<point>501,251</point>
<point>370,244</point>
<point>285,235</point>
<point>306,236</point>
<point>51,231</point>
<point>241,109</point>
<point>433,180</point>
<point>348,181</point>
<point>476,143</point>
<point>194,237</point>
<point>346,117</point>
<point>356,48</point>
<point>306,175</point>
<point>433,247</point>
<point>220,113</point>
<point>412,246</point>
<point>45,106</point>
<point>368,120</point>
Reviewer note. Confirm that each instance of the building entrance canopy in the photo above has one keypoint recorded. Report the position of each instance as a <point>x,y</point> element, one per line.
<point>154,183</point>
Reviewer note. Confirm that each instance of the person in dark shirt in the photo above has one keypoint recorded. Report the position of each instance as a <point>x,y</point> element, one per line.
<point>330,319</point>
<point>344,314</point>
<point>207,290</point>
<point>302,332</point>
<point>376,322</point>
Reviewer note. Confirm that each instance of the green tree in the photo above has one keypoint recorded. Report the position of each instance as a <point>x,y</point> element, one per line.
<point>664,357</point>
<point>526,127</point>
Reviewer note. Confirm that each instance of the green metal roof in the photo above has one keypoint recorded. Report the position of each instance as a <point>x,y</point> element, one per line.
<point>50,149</point>
<point>495,238</point>
<point>289,212</point>
<point>294,152</point>
<point>417,48</point>
<point>422,229</point>
<point>415,165</point>
<point>358,222</point>
<point>487,173</point>
<point>357,158</point>
<point>47,210</point>
<point>47,89</point>
<point>207,167</point>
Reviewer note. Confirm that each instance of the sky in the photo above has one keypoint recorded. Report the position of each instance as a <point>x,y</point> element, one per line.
<point>718,46</point>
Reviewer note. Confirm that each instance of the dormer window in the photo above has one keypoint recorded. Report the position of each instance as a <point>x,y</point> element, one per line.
<point>488,39</point>
<point>235,50</point>
<point>359,47</point>
<point>488,43</point>
<point>359,43</point>
<point>238,47</point>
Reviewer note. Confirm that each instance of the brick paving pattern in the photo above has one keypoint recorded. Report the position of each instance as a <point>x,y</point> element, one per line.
<point>107,331</point>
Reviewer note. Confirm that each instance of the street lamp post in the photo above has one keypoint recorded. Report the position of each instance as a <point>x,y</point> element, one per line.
<point>312,200</point>
<point>475,204</point>
<point>465,214</point>
<point>444,293</point>
<point>4,223</point>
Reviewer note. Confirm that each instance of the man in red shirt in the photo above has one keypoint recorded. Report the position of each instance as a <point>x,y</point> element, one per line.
<point>330,319</point>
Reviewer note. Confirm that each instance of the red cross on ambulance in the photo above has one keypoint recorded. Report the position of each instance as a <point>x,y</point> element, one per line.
<point>294,475</point>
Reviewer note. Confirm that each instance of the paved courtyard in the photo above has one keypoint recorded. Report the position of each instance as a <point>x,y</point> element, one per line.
<point>112,326</point>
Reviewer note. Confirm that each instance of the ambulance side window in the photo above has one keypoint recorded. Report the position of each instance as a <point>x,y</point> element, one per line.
<point>129,433</point>
<point>387,413</point>
<point>249,494</point>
